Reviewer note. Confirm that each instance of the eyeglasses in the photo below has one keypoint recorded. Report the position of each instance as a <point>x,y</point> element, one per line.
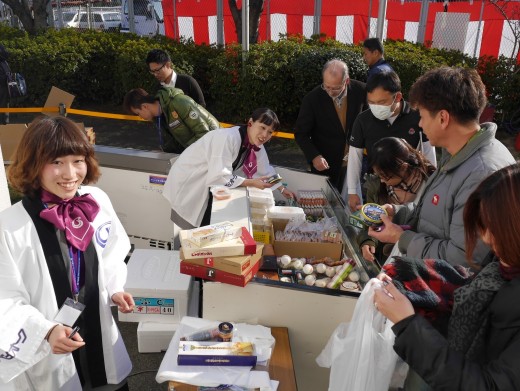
<point>154,71</point>
<point>332,89</point>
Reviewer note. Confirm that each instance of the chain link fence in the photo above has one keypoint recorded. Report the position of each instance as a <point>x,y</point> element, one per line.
<point>86,17</point>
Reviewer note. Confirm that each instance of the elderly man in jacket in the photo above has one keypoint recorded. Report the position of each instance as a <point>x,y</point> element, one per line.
<point>325,121</point>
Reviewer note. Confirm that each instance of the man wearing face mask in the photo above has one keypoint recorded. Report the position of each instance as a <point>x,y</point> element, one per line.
<point>325,121</point>
<point>389,116</point>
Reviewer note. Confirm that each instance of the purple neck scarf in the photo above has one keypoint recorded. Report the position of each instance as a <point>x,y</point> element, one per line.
<point>249,167</point>
<point>72,216</point>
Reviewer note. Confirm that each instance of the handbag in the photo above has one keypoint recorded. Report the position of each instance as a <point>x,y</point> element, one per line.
<point>16,85</point>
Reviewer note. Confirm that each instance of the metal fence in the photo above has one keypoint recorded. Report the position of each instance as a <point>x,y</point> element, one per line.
<point>86,17</point>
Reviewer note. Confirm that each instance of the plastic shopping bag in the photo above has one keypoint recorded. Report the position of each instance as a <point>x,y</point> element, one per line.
<point>361,354</point>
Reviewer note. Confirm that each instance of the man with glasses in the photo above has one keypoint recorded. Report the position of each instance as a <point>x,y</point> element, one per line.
<point>160,66</point>
<point>325,121</point>
<point>389,116</point>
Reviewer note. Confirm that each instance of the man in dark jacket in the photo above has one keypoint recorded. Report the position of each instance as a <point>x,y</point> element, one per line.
<point>160,65</point>
<point>373,52</point>
<point>325,121</point>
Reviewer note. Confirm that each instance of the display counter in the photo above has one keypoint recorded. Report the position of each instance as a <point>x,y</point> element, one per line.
<point>134,182</point>
<point>311,314</point>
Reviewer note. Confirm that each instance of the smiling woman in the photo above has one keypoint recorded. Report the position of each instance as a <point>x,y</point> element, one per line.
<point>214,160</point>
<point>66,247</point>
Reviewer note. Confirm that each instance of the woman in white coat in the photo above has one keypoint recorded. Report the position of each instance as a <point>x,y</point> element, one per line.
<point>62,251</point>
<point>213,159</point>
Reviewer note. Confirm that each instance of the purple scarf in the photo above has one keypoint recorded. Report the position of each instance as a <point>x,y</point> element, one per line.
<point>249,167</point>
<point>72,216</point>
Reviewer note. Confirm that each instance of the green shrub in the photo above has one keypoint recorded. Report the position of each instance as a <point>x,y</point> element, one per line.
<point>100,68</point>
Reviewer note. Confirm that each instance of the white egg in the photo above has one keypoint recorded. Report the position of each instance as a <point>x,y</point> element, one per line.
<point>310,279</point>
<point>322,282</point>
<point>285,260</point>
<point>321,268</point>
<point>338,268</point>
<point>308,269</point>
<point>353,276</point>
<point>297,264</point>
<point>330,271</point>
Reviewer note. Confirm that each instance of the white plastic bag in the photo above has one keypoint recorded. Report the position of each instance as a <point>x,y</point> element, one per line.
<point>360,354</point>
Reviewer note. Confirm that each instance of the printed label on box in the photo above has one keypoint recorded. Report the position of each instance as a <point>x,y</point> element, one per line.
<point>150,305</point>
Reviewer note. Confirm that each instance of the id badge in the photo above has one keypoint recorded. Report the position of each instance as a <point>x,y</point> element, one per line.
<point>69,312</point>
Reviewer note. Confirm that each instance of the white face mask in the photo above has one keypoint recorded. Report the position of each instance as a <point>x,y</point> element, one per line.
<point>382,112</point>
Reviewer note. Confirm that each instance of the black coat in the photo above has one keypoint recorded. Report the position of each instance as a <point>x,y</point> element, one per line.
<point>427,352</point>
<point>318,128</point>
<point>190,87</point>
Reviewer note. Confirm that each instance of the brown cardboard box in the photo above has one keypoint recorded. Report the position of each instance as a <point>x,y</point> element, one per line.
<point>233,264</point>
<point>304,249</point>
<point>10,136</point>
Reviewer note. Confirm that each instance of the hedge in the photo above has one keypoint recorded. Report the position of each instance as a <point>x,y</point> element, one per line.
<point>99,67</point>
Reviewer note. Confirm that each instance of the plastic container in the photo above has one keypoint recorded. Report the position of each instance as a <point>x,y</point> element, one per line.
<point>221,192</point>
<point>259,198</point>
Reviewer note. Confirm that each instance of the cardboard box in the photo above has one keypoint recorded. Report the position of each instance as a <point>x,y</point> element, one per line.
<point>206,353</point>
<point>304,249</point>
<point>245,245</point>
<point>211,234</point>
<point>208,273</point>
<point>10,136</point>
<point>235,265</point>
<point>176,386</point>
<point>160,290</point>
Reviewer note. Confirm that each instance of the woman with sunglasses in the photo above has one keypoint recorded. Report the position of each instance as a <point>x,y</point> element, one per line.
<point>400,172</point>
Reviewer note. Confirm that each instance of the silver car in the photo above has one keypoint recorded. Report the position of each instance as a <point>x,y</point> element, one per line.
<point>97,20</point>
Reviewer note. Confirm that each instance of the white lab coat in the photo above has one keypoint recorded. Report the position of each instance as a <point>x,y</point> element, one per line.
<point>206,163</point>
<point>28,303</point>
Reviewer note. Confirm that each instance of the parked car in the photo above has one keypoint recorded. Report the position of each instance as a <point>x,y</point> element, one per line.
<point>97,20</point>
<point>66,16</point>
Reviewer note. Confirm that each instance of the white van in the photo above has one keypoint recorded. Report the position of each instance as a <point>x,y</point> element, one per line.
<point>96,20</point>
<point>148,17</point>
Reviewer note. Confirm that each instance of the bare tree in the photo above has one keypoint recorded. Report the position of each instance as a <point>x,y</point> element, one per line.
<point>510,10</point>
<point>255,11</point>
<point>32,14</point>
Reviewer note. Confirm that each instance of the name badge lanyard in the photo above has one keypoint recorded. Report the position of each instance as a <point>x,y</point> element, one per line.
<point>158,125</point>
<point>75,271</point>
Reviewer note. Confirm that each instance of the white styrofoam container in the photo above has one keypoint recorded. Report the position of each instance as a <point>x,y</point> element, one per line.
<point>260,198</point>
<point>155,337</point>
<point>160,291</point>
<point>286,213</point>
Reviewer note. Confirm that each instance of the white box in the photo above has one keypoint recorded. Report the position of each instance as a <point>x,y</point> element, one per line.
<point>160,291</point>
<point>155,337</point>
